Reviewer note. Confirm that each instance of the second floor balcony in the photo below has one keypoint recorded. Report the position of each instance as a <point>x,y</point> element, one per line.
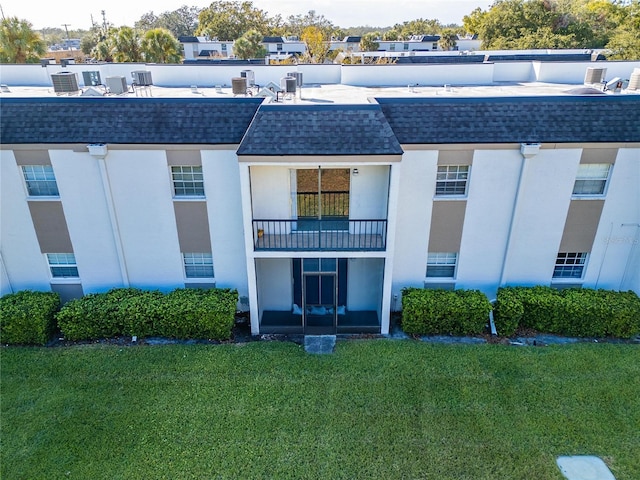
<point>327,234</point>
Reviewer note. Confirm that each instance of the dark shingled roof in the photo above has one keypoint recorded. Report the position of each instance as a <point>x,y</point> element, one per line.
<point>592,118</point>
<point>320,130</point>
<point>125,120</point>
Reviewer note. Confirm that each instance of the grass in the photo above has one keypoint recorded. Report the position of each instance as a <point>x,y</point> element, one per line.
<point>375,409</point>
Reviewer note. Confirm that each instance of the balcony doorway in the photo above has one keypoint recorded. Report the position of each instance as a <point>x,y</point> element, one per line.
<point>320,198</point>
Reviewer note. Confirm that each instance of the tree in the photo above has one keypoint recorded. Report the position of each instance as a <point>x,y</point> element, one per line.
<point>625,41</point>
<point>180,22</point>
<point>317,45</point>
<point>420,26</point>
<point>250,46</point>
<point>230,20</point>
<point>159,46</point>
<point>448,39</point>
<point>126,45</point>
<point>297,24</point>
<point>19,43</point>
<point>368,42</point>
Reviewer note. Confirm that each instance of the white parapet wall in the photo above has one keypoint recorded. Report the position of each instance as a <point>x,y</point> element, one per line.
<point>408,74</point>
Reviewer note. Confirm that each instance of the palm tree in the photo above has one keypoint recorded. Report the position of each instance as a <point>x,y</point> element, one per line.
<point>160,46</point>
<point>19,43</point>
<point>125,44</point>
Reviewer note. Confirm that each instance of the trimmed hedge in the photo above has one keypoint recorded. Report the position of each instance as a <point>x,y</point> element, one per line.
<point>575,312</point>
<point>458,312</point>
<point>183,313</point>
<point>28,317</point>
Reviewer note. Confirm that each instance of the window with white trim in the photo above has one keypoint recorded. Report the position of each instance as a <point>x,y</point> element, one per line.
<point>570,265</point>
<point>441,264</point>
<point>591,179</point>
<point>198,265</point>
<point>187,181</point>
<point>40,180</point>
<point>452,180</point>
<point>62,265</point>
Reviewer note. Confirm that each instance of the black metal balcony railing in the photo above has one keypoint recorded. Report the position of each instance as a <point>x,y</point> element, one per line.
<point>332,204</point>
<point>336,233</point>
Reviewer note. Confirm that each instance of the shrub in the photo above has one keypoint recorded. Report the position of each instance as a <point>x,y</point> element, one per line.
<point>183,313</point>
<point>195,313</point>
<point>95,315</point>
<point>575,312</point>
<point>459,312</point>
<point>28,317</point>
<point>508,311</point>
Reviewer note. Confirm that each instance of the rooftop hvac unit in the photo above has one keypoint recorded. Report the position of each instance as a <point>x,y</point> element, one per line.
<point>91,79</point>
<point>634,80</point>
<point>594,75</point>
<point>67,61</point>
<point>117,85</point>
<point>65,82</point>
<point>239,85</point>
<point>142,78</point>
<point>250,76</point>
<point>297,76</point>
<point>47,61</point>
<point>288,84</point>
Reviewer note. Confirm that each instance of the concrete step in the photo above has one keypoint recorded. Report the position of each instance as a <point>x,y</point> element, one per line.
<point>319,344</point>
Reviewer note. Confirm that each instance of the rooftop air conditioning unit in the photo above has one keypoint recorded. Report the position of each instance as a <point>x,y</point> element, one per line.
<point>297,76</point>
<point>47,61</point>
<point>116,85</point>
<point>142,78</point>
<point>288,84</point>
<point>65,82</point>
<point>67,61</point>
<point>250,76</point>
<point>634,80</point>
<point>594,75</point>
<point>91,79</point>
<point>239,85</point>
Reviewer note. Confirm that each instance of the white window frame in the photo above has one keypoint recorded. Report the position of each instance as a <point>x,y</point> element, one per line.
<point>440,260</point>
<point>570,262</point>
<point>62,266</point>
<point>448,175</point>
<point>200,263</point>
<point>39,178</point>
<point>588,174</point>
<point>184,179</point>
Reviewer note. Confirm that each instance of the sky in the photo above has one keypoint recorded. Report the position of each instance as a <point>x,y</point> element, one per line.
<point>351,13</point>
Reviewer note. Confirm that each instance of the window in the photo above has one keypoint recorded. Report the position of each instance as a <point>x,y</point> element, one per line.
<point>392,47</point>
<point>434,46</point>
<point>187,181</point>
<point>405,46</point>
<point>591,179</point>
<point>40,180</point>
<point>279,47</point>
<point>441,265</point>
<point>62,265</point>
<point>224,47</point>
<point>198,265</point>
<point>452,179</point>
<point>570,265</point>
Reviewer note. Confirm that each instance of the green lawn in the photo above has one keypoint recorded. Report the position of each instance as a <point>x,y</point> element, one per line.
<point>375,409</point>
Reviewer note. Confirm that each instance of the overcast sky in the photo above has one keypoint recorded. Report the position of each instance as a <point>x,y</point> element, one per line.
<point>351,13</point>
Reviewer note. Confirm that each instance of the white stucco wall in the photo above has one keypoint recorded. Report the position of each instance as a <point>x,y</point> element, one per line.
<point>369,192</point>
<point>541,212</point>
<point>274,284</point>
<point>142,196</point>
<point>270,192</point>
<point>26,267</point>
<point>413,218</point>
<point>364,283</point>
<point>492,188</point>
<point>85,208</point>
<point>615,249</point>
<point>407,74</point>
<point>224,208</point>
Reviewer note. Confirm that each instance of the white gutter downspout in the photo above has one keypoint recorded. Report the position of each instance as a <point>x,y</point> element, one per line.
<point>99,152</point>
<point>528,150</point>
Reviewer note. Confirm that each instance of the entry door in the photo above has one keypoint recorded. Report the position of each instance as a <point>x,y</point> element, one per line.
<point>319,304</point>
